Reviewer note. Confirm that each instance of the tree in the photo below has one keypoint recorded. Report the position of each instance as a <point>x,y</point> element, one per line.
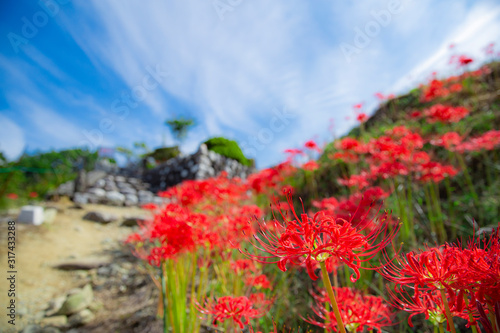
<point>179,127</point>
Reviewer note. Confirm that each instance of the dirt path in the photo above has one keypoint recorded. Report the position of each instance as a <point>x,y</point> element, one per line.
<point>39,248</point>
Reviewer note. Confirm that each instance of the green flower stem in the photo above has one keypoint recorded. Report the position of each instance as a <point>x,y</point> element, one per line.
<point>441,328</point>
<point>468,178</point>
<point>447,311</point>
<point>164,297</point>
<point>329,289</point>
<point>471,318</point>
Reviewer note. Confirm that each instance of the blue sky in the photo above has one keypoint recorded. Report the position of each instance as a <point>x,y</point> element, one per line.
<point>270,75</point>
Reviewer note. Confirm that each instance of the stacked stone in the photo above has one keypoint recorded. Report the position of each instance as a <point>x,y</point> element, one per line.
<point>201,165</point>
<point>118,191</point>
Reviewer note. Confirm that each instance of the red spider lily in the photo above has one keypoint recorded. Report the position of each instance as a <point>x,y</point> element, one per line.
<point>481,272</point>
<point>434,268</point>
<point>488,141</point>
<point>361,117</point>
<point>12,196</point>
<point>430,303</point>
<point>328,204</point>
<point>435,172</point>
<point>357,207</point>
<point>311,240</point>
<point>415,114</point>
<point>292,153</point>
<point>389,170</point>
<point>382,97</point>
<point>437,88</point>
<point>348,144</point>
<point>358,311</point>
<point>242,265</point>
<point>268,180</point>
<point>310,166</point>
<point>260,282</point>
<point>445,113</point>
<point>448,140</point>
<point>360,181</point>
<point>461,60</point>
<point>33,195</point>
<point>238,309</point>
<point>358,106</point>
<point>150,206</point>
<point>312,146</point>
<point>347,157</point>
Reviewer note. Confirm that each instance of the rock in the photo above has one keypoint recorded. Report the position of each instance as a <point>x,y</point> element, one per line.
<point>84,264</point>
<point>32,329</point>
<point>81,198</point>
<point>115,198</point>
<point>31,215</point>
<point>49,215</point>
<point>96,306</point>
<point>100,183</point>
<point>77,301</point>
<point>81,318</point>
<point>131,200</point>
<point>132,221</point>
<point>66,189</point>
<point>94,176</point>
<point>56,321</point>
<point>184,173</point>
<point>98,192</point>
<point>104,218</point>
<point>55,305</point>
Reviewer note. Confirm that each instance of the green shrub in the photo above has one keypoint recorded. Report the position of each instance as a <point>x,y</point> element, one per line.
<point>164,154</point>
<point>228,148</point>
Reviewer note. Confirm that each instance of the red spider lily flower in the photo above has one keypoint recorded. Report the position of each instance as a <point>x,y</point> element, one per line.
<point>260,282</point>
<point>12,196</point>
<point>328,204</point>
<point>360,181</point>
<point>150,206</point>
<point>389,170</point>
<point>288,189</point>
<point>488,141</point>
<point>429,303</point>
<point>242,265</point>
<point>481,273</point>
<point>415,114</point>
<point>33,195</point>
<point>312,146</point>
<point>434,268</point>
<point>448,140</point>
<point>445,113</point>
<point>346,156</point>
<point>238,309</point>
<point>435,172</point>
<point>358,106</point>
<point>358,311</point>
<point>489,49</point>
<point>348,144</point>
<point>292,153</point>
<point>311,240</point>
<point>310,166</point>
<point>361,117</point>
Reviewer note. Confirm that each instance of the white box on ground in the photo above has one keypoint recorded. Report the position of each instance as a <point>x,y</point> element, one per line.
<point>31,215</point>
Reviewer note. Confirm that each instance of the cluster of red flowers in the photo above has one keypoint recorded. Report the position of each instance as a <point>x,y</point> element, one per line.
<point>359,311</point>
<point>238,309</point>
<point>445,113</point>
<point>308,241</point>
<point>437,88</point>
<point>269,180</point>
<point>461,277</point>
<point>398,153</point>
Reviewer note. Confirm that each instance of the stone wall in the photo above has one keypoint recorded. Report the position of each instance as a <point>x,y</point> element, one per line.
<point>201,165</point>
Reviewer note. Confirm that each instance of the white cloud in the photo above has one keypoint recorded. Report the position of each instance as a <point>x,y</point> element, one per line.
<point>12,141</point>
